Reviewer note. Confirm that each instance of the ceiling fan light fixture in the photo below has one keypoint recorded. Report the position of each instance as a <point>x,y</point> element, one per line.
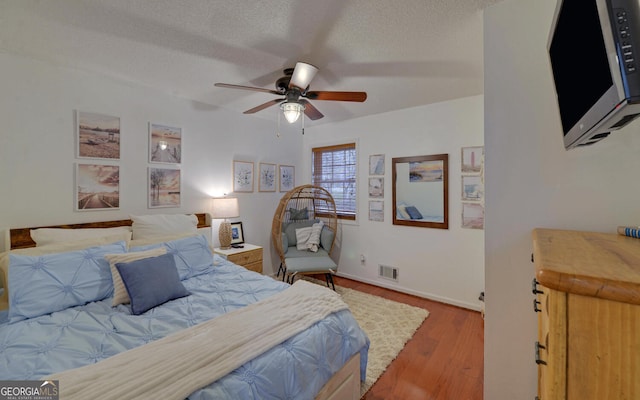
<point>291,111</point>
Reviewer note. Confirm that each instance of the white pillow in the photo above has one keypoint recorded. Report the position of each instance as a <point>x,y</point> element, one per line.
<point>46,236</point>
<point>302,237</point>
<point>120,295</point>
<point>158,239</point>
<point>147,226</point>
<point>309,238</point>
<point>314,238</point>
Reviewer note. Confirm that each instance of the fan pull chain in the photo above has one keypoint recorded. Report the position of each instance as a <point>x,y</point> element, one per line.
<point>303,123</point>
<point>278,129</point>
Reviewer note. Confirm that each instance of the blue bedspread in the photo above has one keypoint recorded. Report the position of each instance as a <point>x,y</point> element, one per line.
<point>295,369</point>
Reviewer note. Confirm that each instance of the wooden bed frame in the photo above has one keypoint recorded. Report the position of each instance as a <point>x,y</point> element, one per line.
<point>20,238</point>
<point>343,385</point>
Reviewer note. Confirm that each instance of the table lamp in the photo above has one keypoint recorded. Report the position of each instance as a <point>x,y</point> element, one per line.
<point>224,208</point>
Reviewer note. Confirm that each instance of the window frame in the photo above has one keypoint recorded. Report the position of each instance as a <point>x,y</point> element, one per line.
<point>319,149</point>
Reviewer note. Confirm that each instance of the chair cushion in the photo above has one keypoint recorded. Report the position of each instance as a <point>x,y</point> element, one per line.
<point>310,264</point>
<point>293,252</point>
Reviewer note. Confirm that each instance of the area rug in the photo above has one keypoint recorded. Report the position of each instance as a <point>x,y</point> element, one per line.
<point>388,324</point>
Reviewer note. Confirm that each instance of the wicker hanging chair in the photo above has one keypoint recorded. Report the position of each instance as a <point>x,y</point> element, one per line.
<point>320,206</point>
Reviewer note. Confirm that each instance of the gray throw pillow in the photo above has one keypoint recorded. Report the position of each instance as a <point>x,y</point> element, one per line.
<point>151,282</point>
<point>296,215</point>
<point>326,238</point>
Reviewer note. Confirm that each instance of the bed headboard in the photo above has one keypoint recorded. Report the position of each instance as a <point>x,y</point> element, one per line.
<point>20,238</point>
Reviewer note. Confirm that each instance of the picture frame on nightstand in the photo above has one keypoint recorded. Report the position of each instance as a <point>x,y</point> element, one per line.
<point>237,234</point>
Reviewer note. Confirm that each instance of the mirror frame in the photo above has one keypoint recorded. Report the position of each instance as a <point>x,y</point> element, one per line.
<point>445,189</point>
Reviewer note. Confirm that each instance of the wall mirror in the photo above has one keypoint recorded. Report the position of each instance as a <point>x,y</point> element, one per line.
<point>420,191</point>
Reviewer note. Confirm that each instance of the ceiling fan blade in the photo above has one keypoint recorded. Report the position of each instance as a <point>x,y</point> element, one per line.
<point>310,111</point>
<point>263,106</point>
<point>254,89</point>
<point>337,96</point>
<point>302,75</point>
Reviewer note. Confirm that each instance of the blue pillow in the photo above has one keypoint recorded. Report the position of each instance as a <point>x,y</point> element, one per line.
<point>192,255</point>
<point>413,212</point>
<point>44,284</point>
<point>151,281</point>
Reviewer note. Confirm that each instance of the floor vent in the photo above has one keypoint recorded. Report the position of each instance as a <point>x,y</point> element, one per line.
<point>388,272</point>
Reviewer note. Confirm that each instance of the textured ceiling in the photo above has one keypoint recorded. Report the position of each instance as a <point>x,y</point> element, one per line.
<point>403,53</point>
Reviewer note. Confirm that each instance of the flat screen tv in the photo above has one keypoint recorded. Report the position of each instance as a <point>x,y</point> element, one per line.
<point>594,57</point>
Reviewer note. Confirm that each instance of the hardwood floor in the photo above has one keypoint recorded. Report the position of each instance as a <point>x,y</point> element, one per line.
<point>443,361</point>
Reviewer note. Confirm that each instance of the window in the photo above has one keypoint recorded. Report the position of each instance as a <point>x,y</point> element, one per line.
<point>334,168</point>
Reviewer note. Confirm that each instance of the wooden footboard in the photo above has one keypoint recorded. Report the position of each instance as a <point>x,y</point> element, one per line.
<point>344,384</point>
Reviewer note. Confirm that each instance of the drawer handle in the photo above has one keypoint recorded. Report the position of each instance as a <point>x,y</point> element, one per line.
<point>534,287</point>
<point>538,360</point>
<point>536,303</point>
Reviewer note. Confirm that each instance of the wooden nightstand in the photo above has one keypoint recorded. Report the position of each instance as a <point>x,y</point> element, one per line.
<point>250,256</point>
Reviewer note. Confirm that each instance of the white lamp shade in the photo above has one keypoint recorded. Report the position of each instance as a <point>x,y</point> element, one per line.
<point>222,208</point>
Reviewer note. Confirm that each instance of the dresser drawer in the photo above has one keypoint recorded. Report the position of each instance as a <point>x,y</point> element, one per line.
<point>246,257</point>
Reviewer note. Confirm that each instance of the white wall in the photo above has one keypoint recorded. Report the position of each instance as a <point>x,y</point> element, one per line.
<point>446,265</point>
<point>531,181</point>
<point>37,160</point>
<point>37,148</point>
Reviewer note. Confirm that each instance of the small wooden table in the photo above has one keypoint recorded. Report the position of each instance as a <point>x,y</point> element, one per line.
<point>250,256</point>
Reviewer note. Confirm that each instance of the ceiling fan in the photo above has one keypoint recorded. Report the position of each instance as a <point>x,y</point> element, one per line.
<point>294,86</point>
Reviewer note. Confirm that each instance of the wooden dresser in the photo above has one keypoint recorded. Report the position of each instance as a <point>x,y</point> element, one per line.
<point>587,290</point>
<point>250,256</point>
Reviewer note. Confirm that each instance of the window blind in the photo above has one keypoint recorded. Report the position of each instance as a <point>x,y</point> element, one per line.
<point>334,169</point>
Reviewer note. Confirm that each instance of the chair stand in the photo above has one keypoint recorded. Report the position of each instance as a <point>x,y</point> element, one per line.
<point>327,276</point>
<point>283,269</point>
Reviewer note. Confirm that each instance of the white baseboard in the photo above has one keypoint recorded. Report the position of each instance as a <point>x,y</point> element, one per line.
<point>430,296</point>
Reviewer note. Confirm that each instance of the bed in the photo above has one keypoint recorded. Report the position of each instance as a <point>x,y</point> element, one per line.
<point>209,342</point>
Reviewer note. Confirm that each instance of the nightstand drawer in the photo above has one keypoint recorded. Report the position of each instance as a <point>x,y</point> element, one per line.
<point>246,257</point>
<point>256,266</point>
<point>249,256</point>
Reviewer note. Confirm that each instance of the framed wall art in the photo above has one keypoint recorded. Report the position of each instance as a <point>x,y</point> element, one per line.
<point>287,175</point>
<point>472,215</point>
<point>376,164</point>
<point>472,188</point>
<point>472,159</point>
<point>165,144</point>
<point>376,187</point>
<point>164,187</point>
<point>97,136</point>
<point>267,177</point>
<point>376,210</point>
<point>242,176</point>
<point>97,187</point>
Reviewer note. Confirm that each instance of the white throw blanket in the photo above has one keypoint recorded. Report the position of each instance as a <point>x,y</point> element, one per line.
<point>179,364</point>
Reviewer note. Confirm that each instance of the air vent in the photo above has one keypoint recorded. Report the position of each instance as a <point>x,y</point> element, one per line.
<point>388,272</point>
